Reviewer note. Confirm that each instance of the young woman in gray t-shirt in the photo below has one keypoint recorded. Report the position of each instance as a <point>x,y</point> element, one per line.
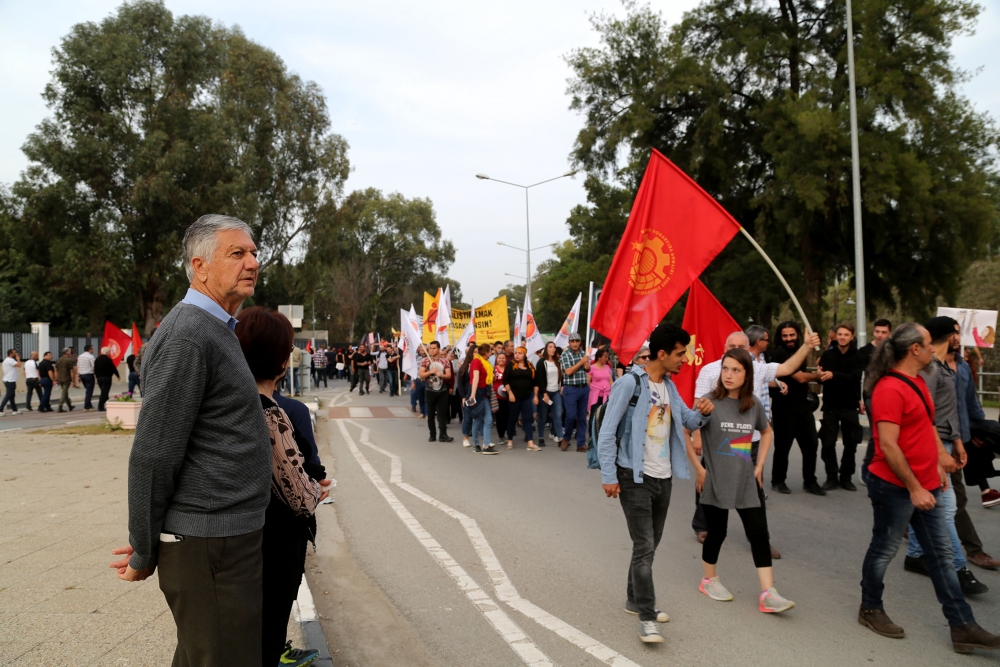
<point>731,477</point>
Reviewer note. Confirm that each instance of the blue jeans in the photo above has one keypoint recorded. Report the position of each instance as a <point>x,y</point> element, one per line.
<point>892,511</point>
<point>949,505</point>
<point>418,395</point>
<point>482,418</point>
<point>11,387</point>
<point>88,381</point>
<point>133,382</point>
<point>46,394</point>
<point>556,409</point>
<point>576,399</point>
<point>523,408</point>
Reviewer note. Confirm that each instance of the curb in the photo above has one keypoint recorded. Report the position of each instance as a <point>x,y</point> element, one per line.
<point>305,615</point>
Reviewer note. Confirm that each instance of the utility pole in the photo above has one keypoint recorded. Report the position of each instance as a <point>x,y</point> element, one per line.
<point>859,246</point>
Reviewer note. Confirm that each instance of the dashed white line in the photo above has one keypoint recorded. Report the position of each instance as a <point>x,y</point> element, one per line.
<point>502,586</point>
<point>505,626</point>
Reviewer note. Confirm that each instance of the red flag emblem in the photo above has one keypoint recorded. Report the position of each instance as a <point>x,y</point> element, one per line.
<point>709,325</point>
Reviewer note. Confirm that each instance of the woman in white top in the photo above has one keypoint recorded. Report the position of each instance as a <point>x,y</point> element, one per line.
<point>548,392</point>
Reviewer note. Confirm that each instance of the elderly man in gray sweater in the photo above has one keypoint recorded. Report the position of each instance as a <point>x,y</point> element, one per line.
<point>200,468</point>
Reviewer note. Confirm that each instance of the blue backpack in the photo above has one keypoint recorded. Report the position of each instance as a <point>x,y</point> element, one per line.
<point>598,420</point>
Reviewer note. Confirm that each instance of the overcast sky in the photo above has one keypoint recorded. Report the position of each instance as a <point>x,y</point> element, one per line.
<point>428,94</point>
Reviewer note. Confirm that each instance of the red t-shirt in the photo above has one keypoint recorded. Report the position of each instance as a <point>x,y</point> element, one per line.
<point>895,402</point>
<point>477,365</point>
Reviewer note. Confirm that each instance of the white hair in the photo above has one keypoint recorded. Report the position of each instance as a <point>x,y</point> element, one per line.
<point>202,238</point>
<point>105,350</point>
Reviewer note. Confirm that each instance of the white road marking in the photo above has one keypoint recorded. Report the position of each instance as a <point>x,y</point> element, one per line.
<point>5,430</point>
<point>360,413</point>
<point>502,586</point>
<point>401,412</point>
<point>511,633</point>
<point>303,608</point>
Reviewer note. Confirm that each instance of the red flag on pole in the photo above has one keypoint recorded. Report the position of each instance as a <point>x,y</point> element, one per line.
<point>117,340</point>
<point>674,231</point>
<point>709,325</point>
<point>136,340</point>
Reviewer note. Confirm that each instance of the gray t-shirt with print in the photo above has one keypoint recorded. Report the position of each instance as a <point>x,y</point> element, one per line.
<point>727,439</point>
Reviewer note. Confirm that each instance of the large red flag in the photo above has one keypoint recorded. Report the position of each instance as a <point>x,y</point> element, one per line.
<point>136,339</point>
<point>674,231</point>
<point>117,340</point>
<point>709,325</point>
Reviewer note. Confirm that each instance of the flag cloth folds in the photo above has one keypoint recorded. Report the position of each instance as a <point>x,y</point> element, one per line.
<point>517,327</point>
<point>115,339</point>
<point>136,340</point>
<point>532,337</point>
<point>410,328</point>
<point>468,336</point>
<point>443,322</point>
<point>570,325</point>
<point>674,231</point>
<point>709,325</point>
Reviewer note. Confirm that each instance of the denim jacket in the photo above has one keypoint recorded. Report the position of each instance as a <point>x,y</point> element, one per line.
<point>681,417</point>
<point>968,402</point>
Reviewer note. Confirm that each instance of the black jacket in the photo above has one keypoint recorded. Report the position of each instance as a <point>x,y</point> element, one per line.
<point>541,375</point>
<point>104,367</point>
<point>843,390</point>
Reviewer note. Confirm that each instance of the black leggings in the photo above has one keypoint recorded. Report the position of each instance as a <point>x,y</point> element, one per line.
<point>754,524</point>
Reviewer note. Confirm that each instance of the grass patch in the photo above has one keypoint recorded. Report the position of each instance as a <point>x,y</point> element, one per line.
<point>97,428</point>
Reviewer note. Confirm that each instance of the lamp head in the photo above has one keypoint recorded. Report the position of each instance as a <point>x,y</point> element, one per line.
<point>482,177</point>
<point>571,173</point>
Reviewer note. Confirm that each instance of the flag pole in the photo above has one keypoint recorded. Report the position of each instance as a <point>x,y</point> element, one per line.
<point>781,278</point>
<point>590,310</point>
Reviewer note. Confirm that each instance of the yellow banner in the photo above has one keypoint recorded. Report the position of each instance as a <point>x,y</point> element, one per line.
<point>492,320</point>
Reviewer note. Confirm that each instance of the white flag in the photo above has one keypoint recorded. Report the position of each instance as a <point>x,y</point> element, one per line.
<point>410,332</point>
<point>468,335</point>
<point>443,334</point>
<point>532,338</point>
<point>570,325</point>
<point>517,327</point>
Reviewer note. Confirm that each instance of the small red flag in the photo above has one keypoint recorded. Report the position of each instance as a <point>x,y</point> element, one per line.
<point>674,231</point>
<point>709,325</point>
<point>136,340</point>
<point>117,340</point>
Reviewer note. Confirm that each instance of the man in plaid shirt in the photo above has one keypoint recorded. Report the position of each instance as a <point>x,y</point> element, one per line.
<point>576,394</point>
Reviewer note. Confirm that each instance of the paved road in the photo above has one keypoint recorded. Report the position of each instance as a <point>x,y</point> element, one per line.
<point>452,558</point>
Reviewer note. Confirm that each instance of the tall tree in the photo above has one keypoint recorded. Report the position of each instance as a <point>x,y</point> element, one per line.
<point>750,97</point>
<point>155,121</point>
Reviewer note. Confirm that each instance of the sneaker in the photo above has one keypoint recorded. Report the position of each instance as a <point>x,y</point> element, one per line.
<point>814,489</point>
<point>772,603</point>
<point>780,487</point>
<point>15,412</point>
<point>970,585</point>
<point>714,589</point>
<point>831,485</point>
<point>991,498</point>
<point>631,608</point>
<point>477,449</point>
<point>649,633</point>
<point>490,450</point>
<point>917,565</point>
<point>466,443</point>
<point>446,438</point>
<point>297,657</point>
<point>848,485</point>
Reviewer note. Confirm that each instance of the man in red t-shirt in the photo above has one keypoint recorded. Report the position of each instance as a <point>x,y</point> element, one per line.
<point>905,479</point>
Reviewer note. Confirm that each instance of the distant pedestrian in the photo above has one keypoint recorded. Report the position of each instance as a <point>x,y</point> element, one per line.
<point>47,377</point>
<point>85,371</point>
<point>599,380</point>
<point>503,404</point>
<point>394,356</point>
<point>104,368</point>
<point>576,393</point>
<point>841,380</point>
<point>519,381</point>
<point>905,481</point>
<point>480,380</point>
<point>319,367</point>
<point>10,366</point>
<point>639,461</point>
<point>66,377</point>
<point>435,371</point>
<point>31,380</point>
<point>200,466</point>
<point>360,361</point>
<point>548,391</point>
<point>133,376</point>
<point>382,367</point>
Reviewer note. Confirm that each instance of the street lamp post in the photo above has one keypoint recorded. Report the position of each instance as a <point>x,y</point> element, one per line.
<point>859,246</point>
<point>527,217</point>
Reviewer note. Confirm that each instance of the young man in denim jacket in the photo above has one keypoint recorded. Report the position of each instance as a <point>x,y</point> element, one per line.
<point>639,468</point>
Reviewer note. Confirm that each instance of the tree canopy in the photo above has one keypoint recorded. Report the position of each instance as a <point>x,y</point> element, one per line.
<point>750,97</point>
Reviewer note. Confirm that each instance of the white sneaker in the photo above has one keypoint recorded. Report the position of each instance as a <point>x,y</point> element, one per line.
<point>15,412</point>
<point>714,589</point>
<point>649,632</point>
<point>631,608</point>
<point>466,443</point>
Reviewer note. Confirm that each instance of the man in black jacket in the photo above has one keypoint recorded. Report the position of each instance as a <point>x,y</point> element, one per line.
<point>841,399</point>
<point>104,368</point>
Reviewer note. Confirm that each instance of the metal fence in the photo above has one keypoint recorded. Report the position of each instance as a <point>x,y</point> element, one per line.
<point>24,343</point>
<point>984,392</point>
<point>58,343</point>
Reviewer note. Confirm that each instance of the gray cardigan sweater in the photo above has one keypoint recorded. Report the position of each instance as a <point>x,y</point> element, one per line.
<point>201,459</point>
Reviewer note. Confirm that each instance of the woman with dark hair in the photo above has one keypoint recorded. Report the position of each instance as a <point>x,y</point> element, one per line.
<point>503,404</point>
<point>266,338</point>
<point>599,379</point>
<point>730,479</point>
<point>480,380</point>
<point>341,363</point>
<point>519,381</point>
<point>548,394</point>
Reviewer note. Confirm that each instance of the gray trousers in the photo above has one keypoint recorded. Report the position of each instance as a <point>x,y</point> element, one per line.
<point>213,588</point>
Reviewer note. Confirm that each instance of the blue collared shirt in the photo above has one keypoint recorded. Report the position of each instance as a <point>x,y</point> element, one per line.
<point>196,298</point>
<point>968,402</point>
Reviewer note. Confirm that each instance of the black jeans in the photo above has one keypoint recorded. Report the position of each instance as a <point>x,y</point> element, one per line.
<point>284,555</point>
<point>437,409</point>
<point>754,525</point>
<point>525,409</point>
<point>34,385</point>
<point>846,421</point>
<point>105,384</point>
<point>800,427</point>
<point>45,404</point>
<point>645,506</point>
<point>213,588</point>
<point>500,417</point>
<point>393,382</point>
<point>88,386</point>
